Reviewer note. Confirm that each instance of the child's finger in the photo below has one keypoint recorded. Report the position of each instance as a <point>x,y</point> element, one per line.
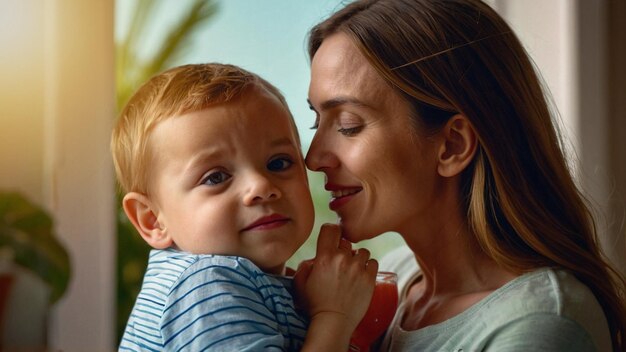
<point>345,244</point>
<point>329,238</point>
<point>362,254</point>
<point>303,272</point>
<point>371,266</point>
<point>305,267</point>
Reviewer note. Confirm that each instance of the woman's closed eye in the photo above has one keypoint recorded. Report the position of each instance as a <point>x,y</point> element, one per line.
<point>215,178</point>
<point>280,163</point>
<point>346,130</point>
<point>350,124</point>
<point>350,131</point>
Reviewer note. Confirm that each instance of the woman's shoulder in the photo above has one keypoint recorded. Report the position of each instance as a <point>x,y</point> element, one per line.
<point>545,309</point>
<point>551,296</point>
<point>549,291</point>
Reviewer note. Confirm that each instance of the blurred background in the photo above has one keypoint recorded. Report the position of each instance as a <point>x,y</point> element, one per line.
<point>70,265</point>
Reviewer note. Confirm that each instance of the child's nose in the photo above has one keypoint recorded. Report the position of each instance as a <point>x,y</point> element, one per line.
<point>261,189</point>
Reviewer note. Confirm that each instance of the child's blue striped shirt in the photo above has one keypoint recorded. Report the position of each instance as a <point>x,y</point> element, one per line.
<point>212,303</point>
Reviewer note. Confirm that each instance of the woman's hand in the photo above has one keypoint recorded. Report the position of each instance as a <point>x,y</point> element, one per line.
<point>336,287</point>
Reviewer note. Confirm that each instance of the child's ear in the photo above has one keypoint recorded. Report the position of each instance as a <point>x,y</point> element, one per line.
<point>459,147</point>
<point>139,210</point>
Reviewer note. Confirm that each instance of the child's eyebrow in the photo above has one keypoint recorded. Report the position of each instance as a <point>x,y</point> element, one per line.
<point>282,142</point>
<point>201,159</point>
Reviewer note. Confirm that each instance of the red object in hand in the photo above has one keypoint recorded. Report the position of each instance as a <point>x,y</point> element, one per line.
<point>379,314</point>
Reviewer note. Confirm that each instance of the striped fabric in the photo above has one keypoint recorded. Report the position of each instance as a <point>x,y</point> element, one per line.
<point>212,303</point>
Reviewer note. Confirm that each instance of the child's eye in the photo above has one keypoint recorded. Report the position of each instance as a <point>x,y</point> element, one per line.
<point>350,131</point>
<point>279,164</point>
<point>216,178</point>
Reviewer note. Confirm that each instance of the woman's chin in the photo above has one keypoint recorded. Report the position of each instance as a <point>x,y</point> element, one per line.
<point>352,234</point>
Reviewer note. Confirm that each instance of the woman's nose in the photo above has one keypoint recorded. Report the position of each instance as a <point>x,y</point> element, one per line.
<point>320,155</point>
<point>260,189</point>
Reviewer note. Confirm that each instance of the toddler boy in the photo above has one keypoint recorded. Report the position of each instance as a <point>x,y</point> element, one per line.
<point>210,160</point>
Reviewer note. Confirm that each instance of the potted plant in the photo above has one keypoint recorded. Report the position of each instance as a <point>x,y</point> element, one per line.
<point>28,240</point>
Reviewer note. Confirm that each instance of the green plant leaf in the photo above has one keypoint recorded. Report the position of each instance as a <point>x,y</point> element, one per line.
<point>198,13</point>
<point>27,231</point>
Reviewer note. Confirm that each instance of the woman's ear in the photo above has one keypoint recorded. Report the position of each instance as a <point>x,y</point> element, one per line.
<point>140,212</point>
<point>458,148</point>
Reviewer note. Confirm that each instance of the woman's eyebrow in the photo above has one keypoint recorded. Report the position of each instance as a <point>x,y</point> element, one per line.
<point>338,101</point>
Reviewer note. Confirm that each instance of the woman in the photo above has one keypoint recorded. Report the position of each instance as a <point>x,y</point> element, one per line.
<point>431,122</point>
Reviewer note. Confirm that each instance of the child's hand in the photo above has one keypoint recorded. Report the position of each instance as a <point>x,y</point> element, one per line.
<point>337,285</point>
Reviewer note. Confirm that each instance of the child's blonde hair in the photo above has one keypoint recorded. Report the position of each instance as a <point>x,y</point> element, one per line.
<point>172,93</point>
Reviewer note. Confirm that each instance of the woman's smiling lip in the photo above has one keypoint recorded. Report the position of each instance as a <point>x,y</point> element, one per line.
<point>340,195</point>
<point>267,222</point>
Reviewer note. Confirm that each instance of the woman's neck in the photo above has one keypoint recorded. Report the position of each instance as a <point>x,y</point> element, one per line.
<point>451,261</point>
<point>456,273</point>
